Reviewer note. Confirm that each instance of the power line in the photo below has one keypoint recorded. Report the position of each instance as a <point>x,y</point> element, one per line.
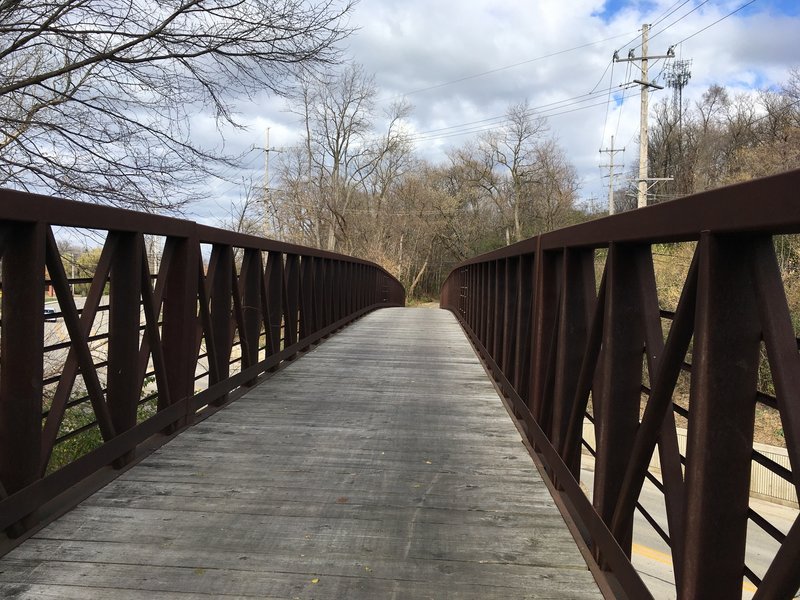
<point>496,126</point>
<point>743,6</point>
<point>782,109</point>
<point>661,72</point>
<point>608,104</point>
<point>678,20</point>
<point>599,81</point>
<point>671,12</point>
<point>628,43</point>
<point>557,105</point>
<point>511,66</point>
<point>666,14</point>
<point>622,100</point>
<point>243,167</point>
<point>545,110</point>
<point>230,169</point>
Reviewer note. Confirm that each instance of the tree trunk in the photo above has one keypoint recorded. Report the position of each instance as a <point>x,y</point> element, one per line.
<point>417,278</point>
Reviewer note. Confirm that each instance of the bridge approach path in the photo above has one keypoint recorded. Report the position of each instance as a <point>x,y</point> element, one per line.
<point>382,464</point>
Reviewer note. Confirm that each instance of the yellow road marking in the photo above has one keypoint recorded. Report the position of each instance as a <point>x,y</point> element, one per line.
<point>652,554</point>
<point>666,559</point>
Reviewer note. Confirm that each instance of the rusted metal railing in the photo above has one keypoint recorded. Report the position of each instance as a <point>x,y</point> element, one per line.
<point>567,349</point>
<point>177,320</point>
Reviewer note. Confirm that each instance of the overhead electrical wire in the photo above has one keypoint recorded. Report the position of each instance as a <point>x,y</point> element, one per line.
<point>530,111</point>
<point>571,104</point>
<point>661,72</point>
<point>599,81</point>
<point>733,12</point>
<point>678,20</point>
<point>665,15</point>
<point>497,120</point>
<point>681,18</point>
<point>622,103</point>
<point>670,12</point>
<point>782,109</point>
<point>230,171</point>
<point>506,67</point>
<point>608,106</point>
<point>493,127</point>
<point>552,112</point>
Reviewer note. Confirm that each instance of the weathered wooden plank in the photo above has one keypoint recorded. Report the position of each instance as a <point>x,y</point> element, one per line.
<point>212,581</point>
<point>303,500</point>
<point>408,569</point>
<point>497,539</point>
<point>67,592</point>
<point>380,465</point>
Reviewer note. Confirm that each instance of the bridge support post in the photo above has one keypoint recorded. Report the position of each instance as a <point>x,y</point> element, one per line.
<point>320,293</point>
<point>291,298</point>
<point>491,308</point>
<point>499,314</point>
<point>250,288</point>
<point>274,299</point>
<point>544,317</point>
<point>577,296</point>
<point>617,389</point>
<point>329,298</point>
<point>221,305</point>
<point>21,369</point>
<point>307,305</point>
<point>179,331</point>
<point>720,431</point>
<point>510,317</point>
<point>522,354</point>
<point>123,335</point>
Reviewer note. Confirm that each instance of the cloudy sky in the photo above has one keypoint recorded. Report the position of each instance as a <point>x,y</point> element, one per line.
<point>462,63</point>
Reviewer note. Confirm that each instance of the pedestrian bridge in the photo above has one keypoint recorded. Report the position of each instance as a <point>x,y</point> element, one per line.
<point>209,414</point>
<point>379,465</point>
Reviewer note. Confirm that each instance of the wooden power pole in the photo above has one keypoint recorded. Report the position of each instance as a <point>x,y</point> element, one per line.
<point>641,199</point>
<point>611,152</point>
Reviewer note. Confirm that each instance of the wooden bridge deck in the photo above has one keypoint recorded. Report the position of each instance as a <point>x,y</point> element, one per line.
<point>380,465</point>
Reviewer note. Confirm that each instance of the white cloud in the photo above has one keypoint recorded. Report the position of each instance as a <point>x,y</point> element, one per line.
<point>416,44</point>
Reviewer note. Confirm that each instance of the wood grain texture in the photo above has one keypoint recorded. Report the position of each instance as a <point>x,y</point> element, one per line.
<point>380,465</point>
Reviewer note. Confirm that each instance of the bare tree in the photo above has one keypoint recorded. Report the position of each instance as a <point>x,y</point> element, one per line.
<point>295,209</point>
<point>344,159</point>
<point>96,95</point>
<point>726,139</point>
<point>520,170</point>
<point>556,188</point>
<point>249,214</point>
<point>514,150</point>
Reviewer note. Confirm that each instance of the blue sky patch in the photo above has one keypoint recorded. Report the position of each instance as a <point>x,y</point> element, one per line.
<point>612,7</point>
<point>775,7</point>
<point>782,7</point>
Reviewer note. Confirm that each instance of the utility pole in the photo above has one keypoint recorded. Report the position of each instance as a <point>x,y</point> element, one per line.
<point>611,151</point>
<point>641,197</point>
<point>641,200</point>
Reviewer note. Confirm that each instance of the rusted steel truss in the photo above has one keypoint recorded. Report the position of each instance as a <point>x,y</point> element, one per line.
<point>565,347</point>
<point>220,310</point>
